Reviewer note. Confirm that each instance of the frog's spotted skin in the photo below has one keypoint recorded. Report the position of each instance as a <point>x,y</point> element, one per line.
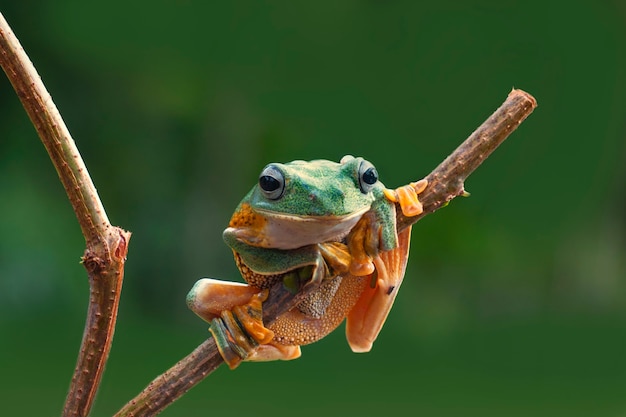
<point>321,222</point>
<point>255,279</point>
<point>296,328</point>
<point>316,303</point>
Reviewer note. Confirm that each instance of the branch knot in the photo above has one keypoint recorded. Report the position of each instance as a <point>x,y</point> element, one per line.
<point>93,263</point>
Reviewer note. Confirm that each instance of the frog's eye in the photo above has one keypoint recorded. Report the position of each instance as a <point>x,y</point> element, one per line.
<point>272,182</point>
<point>367,176</point>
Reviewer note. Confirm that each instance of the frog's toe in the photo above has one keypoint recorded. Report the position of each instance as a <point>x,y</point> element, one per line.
<point>420,186</point>
<point>240,332</point>
<point>361,267</point>
<point>275,352</point>
<point>406,196</point>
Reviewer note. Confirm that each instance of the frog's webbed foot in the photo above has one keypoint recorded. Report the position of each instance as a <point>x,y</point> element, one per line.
<point>366,318</point>
<point>235,313</point>
<point>406,196</point>
<point>240,335</point>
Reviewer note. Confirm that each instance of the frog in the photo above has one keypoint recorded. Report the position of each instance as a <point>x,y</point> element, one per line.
<point>328,227</point>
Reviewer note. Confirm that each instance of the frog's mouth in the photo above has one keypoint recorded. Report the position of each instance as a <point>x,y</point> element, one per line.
<point>285,231</point>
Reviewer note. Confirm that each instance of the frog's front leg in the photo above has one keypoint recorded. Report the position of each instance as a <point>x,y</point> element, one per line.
<point>235,313</point>
<point>376,230</point>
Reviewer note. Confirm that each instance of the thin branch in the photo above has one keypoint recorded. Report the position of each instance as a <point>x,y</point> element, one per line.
<point>445,183</point>
<point>106,245</point>
<point>54,135</point>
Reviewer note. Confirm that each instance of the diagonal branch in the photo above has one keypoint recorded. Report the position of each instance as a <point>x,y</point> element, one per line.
<point>106,245</point>
<point>445,183</point>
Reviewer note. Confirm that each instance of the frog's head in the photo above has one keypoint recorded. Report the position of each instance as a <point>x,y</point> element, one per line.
<point>302,203</point>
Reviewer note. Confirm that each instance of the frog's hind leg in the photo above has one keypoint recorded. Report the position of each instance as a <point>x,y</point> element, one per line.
<point>366,319</point>
<point>235,313</point>
<point>209,297</point>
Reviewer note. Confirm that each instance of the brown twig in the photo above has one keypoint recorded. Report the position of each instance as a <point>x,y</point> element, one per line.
<point>106,245</point>
<point>445,183</point>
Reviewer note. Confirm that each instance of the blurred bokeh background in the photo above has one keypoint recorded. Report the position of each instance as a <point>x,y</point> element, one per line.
<point>514,301</point>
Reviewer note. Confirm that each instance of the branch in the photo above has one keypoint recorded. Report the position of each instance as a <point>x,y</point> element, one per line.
<point>106,245</point>
<point>445,183</point>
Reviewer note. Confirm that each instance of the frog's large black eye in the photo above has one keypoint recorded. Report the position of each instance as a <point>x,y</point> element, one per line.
<point>272,182</point>
<point>367,176</point>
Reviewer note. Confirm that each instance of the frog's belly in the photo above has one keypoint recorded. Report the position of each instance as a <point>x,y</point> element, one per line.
<point>295,328</point>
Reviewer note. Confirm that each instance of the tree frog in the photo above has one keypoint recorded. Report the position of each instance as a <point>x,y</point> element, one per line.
<point>331,225</point>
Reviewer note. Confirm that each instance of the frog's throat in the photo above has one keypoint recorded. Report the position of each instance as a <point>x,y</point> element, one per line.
<point>286,231</point>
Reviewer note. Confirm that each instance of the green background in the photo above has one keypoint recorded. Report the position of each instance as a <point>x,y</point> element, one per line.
<point>514,302</point>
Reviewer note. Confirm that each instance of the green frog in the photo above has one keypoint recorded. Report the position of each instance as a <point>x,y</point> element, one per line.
<point>330,226</point>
